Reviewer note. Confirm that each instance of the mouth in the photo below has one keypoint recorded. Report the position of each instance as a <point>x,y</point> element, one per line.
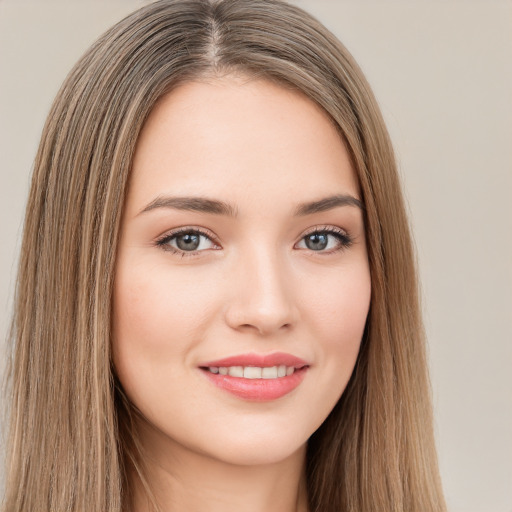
<point>253,372</point>
<point>257,377</point>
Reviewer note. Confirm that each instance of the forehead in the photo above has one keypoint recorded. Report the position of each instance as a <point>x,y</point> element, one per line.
<point>231,136</point>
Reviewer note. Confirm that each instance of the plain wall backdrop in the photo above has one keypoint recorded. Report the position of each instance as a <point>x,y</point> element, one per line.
<point>442,72</point>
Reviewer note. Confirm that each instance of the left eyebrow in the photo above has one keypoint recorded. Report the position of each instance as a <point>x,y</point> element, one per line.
<point>197,204</point>
<point>328,203</point>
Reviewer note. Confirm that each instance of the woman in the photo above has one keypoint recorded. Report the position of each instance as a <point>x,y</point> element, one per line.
<point>217,303</point>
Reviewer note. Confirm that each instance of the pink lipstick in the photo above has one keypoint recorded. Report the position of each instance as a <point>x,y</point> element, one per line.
<point>257,377</point>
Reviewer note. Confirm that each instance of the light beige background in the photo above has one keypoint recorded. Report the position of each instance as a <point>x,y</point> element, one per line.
<point>443,75</point>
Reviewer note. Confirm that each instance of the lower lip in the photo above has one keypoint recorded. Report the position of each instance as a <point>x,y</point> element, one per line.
<point>258,390</point>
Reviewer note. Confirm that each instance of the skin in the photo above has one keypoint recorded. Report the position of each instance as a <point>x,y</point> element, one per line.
<point>253,286</point>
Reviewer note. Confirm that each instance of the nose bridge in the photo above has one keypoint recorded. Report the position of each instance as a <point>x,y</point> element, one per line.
<point>262,299</point>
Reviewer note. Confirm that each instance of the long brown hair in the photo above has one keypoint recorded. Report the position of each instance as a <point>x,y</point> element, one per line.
<point>70,436</point>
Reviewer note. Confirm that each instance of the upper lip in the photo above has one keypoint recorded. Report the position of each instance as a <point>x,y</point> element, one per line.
<point>260,360</point>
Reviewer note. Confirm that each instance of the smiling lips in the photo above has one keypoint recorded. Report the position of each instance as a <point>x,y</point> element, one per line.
<point>257,377</point>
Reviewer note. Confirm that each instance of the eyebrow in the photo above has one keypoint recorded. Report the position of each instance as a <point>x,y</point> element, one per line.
<point>195,204</point>
<point>328,203</point>
<point>216,207</point>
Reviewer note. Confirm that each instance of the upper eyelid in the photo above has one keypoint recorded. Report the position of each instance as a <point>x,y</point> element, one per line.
<point>163,241</point>
<point>187,229</point>
<point>214,239</point>
<point>343,235</point>
<point>326,229</point>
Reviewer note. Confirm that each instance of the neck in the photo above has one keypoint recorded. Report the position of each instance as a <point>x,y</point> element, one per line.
<point>183,480</point>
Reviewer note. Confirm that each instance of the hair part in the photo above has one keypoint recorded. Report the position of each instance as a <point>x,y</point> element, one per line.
<point>72,436</point>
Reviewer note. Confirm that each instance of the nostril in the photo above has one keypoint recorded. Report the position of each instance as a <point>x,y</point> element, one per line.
<point>263,328</point>
<point>261,308</point>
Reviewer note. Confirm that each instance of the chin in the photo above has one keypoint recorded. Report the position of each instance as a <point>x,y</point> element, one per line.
<point>259,452</point>
<point>263,445</point>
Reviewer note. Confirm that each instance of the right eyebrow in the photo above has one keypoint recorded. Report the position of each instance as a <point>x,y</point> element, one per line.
<point>328,203</point>
<point>196,204</point>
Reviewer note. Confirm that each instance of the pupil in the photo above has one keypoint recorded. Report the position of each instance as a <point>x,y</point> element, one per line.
<point>316,241</point>
<point>187,242</point>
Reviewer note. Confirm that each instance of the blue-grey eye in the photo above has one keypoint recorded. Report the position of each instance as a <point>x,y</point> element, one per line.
<point>325,241</point>
<point>187,241</point>
<point>317,241</point>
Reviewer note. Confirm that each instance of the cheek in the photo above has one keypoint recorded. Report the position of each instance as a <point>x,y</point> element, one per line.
<point>141,321</point>
<point>337,313</point>
<point>153,304</point>
<point>158,318</point>
<point>339,306</point>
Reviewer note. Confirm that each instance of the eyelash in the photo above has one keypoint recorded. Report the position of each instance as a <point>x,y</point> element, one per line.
<point>343,238</point>
<point>163,241</point>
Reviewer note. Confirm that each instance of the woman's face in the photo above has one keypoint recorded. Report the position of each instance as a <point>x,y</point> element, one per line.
<point>242,284</point>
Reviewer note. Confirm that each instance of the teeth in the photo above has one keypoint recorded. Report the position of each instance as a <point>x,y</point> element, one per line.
<point>236,371</point>
<point>269,373</point>
<point>254,372</point>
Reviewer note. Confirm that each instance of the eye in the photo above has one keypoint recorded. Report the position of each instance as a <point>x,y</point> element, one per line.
<point>325,240</point>
<point>186,241</point>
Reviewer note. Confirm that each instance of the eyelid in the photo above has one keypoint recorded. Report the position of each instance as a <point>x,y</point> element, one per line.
<point>187,229</point>
<point>344,238</point>
<point>162,240</point>
<point>325,228</point>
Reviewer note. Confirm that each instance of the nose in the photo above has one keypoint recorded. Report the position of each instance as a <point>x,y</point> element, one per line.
<point>261,298</point>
